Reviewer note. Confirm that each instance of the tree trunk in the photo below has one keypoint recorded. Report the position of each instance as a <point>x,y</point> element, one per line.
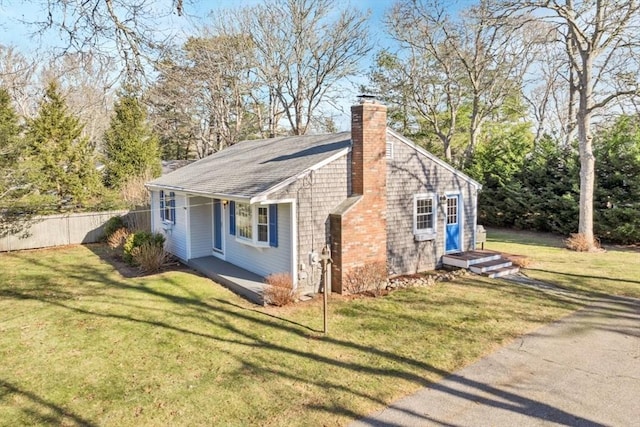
<point>587,159</point>
<point>587,179</point>
<point>447,151</point>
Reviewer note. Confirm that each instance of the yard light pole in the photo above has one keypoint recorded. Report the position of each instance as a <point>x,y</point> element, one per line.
<point>325,257</point>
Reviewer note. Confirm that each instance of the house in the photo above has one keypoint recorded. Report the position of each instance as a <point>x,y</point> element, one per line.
<point>270,206</point>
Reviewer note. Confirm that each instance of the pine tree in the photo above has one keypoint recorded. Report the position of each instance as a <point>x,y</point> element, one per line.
<point>9,134</point>
<point>61,161</point>
<point>131,148</point>
<point>13,212</point>
<point>9,143</point>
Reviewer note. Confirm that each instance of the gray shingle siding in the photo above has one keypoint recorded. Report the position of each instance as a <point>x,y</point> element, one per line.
<point>316,196</point>
<point>409,172</point>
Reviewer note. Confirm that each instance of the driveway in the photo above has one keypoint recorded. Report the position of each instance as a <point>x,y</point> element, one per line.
<point>583,370</point>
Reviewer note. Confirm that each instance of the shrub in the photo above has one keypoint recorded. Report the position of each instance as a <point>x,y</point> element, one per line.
<point>137,239</point>
<point>112,225</point>
<point>520,261</point>
<point>150,257</point>
<point>371,277</point>
<point>279,290</point>
<point>577,242</point>
<point>118,238</point>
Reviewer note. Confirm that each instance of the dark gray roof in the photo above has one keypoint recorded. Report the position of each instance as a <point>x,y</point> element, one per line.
<point>250,168</point>
<point>169,166</point>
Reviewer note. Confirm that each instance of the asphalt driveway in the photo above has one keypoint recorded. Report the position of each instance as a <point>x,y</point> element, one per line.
<point>581,371</point>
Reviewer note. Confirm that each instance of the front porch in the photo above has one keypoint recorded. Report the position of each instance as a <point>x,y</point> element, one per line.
<point>239,280</point>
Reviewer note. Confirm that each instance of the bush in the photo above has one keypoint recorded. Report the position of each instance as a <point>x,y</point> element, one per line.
<point>520,261</point>
<point>371,277</point>
<point>577,242</point>
<point>136,240</point>
<point>279,290</point>
<point>150,257</point>
<point>112,225</point>
<point>118,238</point>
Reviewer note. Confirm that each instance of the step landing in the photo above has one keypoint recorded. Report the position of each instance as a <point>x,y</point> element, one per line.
<point>488,263</point>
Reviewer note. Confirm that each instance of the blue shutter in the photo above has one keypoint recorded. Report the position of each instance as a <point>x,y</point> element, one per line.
<point>232,217</point>
<point>162,205</point>
<point>273,226</point>
<point>173,206</point>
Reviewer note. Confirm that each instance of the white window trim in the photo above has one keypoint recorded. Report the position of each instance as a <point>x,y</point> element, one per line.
<point>428,233</point>
<point>165,197</point>
<point>253,241</point>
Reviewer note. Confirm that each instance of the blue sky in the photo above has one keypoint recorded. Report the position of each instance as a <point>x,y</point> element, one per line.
<point>13,32</point>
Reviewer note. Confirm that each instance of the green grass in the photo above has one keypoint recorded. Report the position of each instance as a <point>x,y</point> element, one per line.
<point>614,272</point>
<point>82,345</point>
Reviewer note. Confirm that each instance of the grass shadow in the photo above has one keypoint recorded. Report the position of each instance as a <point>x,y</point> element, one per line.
<point>41,411</point>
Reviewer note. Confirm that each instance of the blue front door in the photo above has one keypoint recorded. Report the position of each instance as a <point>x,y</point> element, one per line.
<point>452,243</point>
<point>217,225</point>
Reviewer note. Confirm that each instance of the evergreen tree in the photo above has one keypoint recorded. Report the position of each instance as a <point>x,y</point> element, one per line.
<point>60,160</point>
<point>13,214</point>
<point>617,204</point>
<point>9,143</point>
<point>131,147</point>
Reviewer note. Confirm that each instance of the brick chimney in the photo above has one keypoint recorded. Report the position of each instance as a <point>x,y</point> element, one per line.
<point>359,225</point>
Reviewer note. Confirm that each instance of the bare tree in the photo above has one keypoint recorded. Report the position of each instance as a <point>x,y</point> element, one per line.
<point>304,48</point>
<point>430,67</point>
<point>103,29</point>
<point>546,94</point>
<point>88,88</point>
<point>206,92</point>
<point>17,75</point>
<point>602,44</point>
<point>454,62</point>
<point>220,67</point>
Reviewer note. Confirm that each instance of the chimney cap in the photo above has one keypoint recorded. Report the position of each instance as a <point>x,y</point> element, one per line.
<point>366,98</point>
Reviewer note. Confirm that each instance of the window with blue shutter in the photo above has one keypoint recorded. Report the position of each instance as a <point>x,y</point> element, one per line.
<point>162,205</point>
<point>273,226</point>
<point>232,218</point>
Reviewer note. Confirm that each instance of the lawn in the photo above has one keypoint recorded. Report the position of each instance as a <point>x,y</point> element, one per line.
<point>614,271</point>
<point>82,345</point>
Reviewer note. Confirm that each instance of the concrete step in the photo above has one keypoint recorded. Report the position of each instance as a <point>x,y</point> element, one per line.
<point>501,272</point>
<point>467,259</point>
<point>485,267</point>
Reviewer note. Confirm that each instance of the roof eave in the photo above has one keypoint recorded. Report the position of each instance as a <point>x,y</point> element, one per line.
<point>239,197</point>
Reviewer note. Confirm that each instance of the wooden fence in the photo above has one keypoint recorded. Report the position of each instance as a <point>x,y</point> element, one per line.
<point>59,230</point>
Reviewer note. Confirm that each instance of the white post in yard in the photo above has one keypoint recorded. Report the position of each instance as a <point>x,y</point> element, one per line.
<point>326,284</point>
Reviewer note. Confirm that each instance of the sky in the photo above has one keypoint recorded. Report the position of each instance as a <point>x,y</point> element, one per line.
<point>15,33</point>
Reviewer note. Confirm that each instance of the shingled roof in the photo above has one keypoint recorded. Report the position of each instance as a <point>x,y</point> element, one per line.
<point>251,168</point>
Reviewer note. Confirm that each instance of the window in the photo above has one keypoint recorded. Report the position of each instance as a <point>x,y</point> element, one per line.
<point>244,224</point>
<point>424,210</point>
<point>168,206</point>
<point>255,224</point>
<point>452,210</point>
<point>263,224</point>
